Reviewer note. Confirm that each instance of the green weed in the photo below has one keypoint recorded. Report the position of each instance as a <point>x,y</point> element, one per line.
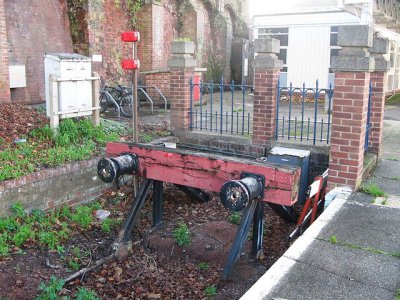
<point>51,290</point>
<point>22,235</point>
<point>333,239</point>
<point>4,248</point>
<point>17,209</point>
<point>49,239</point>
<point>373,190</point>
<point>182,234</point>
<point>82,216</point>
<point>235,218</point>
<point>210,291</point>
<point>203,266</point>
<point>108,224</point>
<point>84,294</point>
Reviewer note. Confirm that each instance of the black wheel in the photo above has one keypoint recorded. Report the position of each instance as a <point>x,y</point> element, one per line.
<point>126,105</point>
<point>103,102</point>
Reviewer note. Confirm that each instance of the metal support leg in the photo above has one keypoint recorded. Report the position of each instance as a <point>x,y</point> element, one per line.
<point>240,238</point>
<point>194,193</point>
<point>157,203</point>
<point>125,233</point>
<point>287,213</point>
<point>258,229</point>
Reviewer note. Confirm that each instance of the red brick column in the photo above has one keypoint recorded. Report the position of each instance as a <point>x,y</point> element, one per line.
<point>4,80</point>
<point>379,82</point>
<point>349,117</point>
<point>264,113</point>
<point>182,69</point>
<point>266,75</point>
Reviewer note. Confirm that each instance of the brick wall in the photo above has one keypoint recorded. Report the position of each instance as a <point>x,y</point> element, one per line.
<point>159,79</point>
<point>4,84</point>
<point>379,82</point>
<point>35,27</point>
<point>349,114</point>
<point>66,185</point>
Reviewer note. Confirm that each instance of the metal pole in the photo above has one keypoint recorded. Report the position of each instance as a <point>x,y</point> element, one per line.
<point>135,116</point>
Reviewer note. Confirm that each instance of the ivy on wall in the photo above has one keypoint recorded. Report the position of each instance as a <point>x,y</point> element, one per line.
<point>77,12</point>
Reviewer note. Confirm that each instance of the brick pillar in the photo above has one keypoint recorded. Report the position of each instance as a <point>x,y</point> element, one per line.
<point>349,111</point>
<point>182,66</point>
<point>380,46</point>
<point>4,80</point>
<point>266,75</point>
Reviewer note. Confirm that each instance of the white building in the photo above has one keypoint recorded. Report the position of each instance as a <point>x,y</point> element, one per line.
<point>307,30</point>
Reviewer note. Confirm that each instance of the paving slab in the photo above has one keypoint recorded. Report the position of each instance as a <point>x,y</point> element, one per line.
<point>310,282</point>
<point>366,225</point>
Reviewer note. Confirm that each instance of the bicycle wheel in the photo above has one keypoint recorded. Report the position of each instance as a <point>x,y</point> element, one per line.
<point>103,102</point>
<point>126,105</point>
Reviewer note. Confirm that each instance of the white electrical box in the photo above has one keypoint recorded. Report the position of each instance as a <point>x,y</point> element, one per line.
<point>74,96</point>
<point>17,75</point>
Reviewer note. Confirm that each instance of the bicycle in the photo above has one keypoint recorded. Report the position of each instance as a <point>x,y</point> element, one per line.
<point>120,97</point>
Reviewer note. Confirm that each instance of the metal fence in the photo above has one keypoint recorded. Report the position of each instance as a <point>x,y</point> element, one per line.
<point>304,114</point>
<point>221,107</point>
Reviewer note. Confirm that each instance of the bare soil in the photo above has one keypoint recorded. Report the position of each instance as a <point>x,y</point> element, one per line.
<point>157,268</point>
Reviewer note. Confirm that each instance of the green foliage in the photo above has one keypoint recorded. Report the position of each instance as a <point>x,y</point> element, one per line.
<point>372,189</point>
<point>133,7</point>
<point>76,140</point>
<point>108,224</point>
<point>210,291</point>
<point>51,290</point>
<point>203,266</point>
<point>83,216</point>
<point>145,137</point>
<point>235,218</point>
<point>22,235</point>
<point>17,209</point>
<point>84,294</point>
<point>397,295</point>
<point>182,234</point>
<point>333,239</point>
<point>4,249</point>
<point>49,239</point>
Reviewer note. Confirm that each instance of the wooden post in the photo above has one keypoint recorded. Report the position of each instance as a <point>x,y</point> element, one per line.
<point>95,99</point>
<point>54,116</point>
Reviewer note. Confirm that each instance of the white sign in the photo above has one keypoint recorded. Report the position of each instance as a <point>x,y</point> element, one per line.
<point>246,67</point>
<point>97,58</point>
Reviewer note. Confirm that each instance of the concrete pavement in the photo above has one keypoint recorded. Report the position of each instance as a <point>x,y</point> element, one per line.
<point>352,251</point>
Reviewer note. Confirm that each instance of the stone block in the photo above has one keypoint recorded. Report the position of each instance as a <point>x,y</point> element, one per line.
<point>268,45</point>
<point>267,62</point>
<point>352,64</point>
<point>355,36</point>
<point>381,64</point>
<point>380,45</point>
<point>182,61</point>
<point>181,47</point>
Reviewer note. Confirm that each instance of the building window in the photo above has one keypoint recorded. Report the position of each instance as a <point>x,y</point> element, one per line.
<point>281,34</point>
<point>334,48</point>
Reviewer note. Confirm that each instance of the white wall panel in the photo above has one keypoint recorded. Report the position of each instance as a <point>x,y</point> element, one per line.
<point>308,55</point>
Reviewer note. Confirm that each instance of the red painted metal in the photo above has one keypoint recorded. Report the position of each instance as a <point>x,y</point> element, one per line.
<point>210,172</point>
<point>130,36</point>
<point>130,64</point>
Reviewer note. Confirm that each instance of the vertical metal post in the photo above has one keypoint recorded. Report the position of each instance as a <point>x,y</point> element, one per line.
<point>211,103</point>
<point>201,104</point>
<point>222,104</point>
<point>244,107</point>
<point>303,96</point>
<point>232,102</point>
<point>135,116</point>
<point>191,104</point>
<point>157,203</point>
<point>258,229</point>
<point>330,95</point>
<point>290,107</point>
<point>278,96</point>
<point>315,111</point>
